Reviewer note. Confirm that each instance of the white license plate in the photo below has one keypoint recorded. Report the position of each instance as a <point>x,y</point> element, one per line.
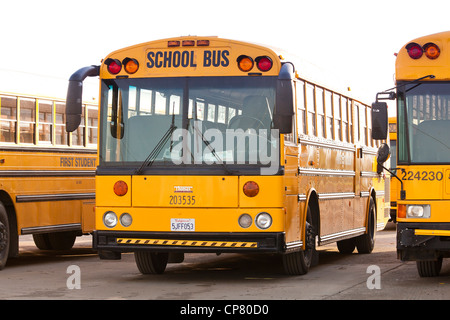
<point>182,224</point>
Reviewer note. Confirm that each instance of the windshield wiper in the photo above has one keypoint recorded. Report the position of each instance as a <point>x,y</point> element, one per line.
<point>159,146</point>
<point>212,150</point>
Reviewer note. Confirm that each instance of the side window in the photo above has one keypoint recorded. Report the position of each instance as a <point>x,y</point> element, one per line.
<point>92,124</point>
<point>60,124</point>
<point>301,112</point>
<point>310,108</point>
<point>337,116</point>
<point>320,113</point>
<point>45,121</point>
<point>329,114</point>
<point>27,121</point>
<point>78,134</point>
<point>344,114</point>
<point>8,107</point>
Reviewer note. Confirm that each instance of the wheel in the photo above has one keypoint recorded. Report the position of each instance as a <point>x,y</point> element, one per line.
<point>429,268</point>
<point>366,242</point>
<point>41,241</point>
<point>151,262</point>
<point>346,246</point>
<point>55,241</point>
<point>299,262</point>
<point>4,237</point>
<point>62,240</point>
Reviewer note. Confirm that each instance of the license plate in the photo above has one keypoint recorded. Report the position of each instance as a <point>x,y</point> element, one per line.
<point>182,224</point>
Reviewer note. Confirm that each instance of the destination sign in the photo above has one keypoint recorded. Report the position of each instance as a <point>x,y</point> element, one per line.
<point>187,59</point>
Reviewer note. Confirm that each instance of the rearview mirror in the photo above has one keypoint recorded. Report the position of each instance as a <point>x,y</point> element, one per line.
<point>284,104</point>
<point>379,121</point>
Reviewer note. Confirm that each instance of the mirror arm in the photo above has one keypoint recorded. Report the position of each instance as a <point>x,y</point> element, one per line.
<point>402,191</point>
<point>75,96</point>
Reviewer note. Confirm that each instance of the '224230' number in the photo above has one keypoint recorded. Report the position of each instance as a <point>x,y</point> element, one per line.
<point>423,175</point>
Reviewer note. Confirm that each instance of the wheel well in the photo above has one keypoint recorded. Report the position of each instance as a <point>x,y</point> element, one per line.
<point>313,203</point>
<point>373,195</point>
<point>12,219</point>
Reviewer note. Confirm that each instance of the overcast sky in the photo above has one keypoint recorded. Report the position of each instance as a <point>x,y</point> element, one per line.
<point>43,42</point>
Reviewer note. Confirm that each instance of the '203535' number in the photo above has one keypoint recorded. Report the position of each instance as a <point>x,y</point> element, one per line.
<point>182,200</point>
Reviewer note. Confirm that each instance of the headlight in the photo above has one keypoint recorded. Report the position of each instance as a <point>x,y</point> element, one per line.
<point>110,219</point>
<point>263,220</point>
<point>418,211</point>
<point>245,220</point>
<point>126,219</point>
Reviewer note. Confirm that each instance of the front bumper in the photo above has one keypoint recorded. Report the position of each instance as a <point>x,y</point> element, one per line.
<point>122,241</point>
<point>422,241</point>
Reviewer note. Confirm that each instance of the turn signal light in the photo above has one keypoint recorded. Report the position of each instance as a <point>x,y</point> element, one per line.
<point>130,65</point>
<point>120,188</point>
<point>114,65</point>
<point>401,211</point>
<point>251,189</point>
<point>432,51</point>
<point>245,63</point>
<point>415,51</point>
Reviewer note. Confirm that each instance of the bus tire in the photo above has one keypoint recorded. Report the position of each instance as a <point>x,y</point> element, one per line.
<point>299,262</point>
<point>55,240</point>
<point>429,268</point>
<point>346,246</point>
<point>151,262</point>
<point>41,241</point>
<point>366,242</point>
<point>4,237</point>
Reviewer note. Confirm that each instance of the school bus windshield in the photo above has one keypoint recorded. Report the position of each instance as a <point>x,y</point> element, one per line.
<point>188,121</point>
<point>425,118</point>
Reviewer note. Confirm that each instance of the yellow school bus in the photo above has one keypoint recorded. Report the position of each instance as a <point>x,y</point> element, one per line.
<point>215,145</point>
<point>47,186</point>
<point>393,164</point>
<point>423,158</point>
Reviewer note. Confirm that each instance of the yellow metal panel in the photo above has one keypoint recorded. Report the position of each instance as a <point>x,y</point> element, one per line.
<point>105,195</point>
<point>423,232</point>
<point>185,191</point>
<point>271,191</point>
<point>206,219</point>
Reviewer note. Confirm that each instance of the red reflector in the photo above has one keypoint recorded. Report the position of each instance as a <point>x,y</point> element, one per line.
<point>264,63</point>
<point>415,51</point>
<point>120,188</point>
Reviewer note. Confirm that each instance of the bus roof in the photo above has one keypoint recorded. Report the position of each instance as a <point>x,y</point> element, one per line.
<point>409,68</point>
<point>189,56</point>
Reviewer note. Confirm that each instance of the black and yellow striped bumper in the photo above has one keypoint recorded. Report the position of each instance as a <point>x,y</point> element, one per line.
<point>188,242</point>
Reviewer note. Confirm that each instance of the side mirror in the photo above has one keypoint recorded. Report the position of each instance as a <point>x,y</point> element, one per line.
<point>379,121</point>
<point>284,102</point>
<point>383,154</point>
<point>75,96</point>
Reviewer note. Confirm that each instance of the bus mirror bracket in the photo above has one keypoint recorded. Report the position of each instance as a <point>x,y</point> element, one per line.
<point>383,154</point>
<point>75,96</point>
<point>284,102</point>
